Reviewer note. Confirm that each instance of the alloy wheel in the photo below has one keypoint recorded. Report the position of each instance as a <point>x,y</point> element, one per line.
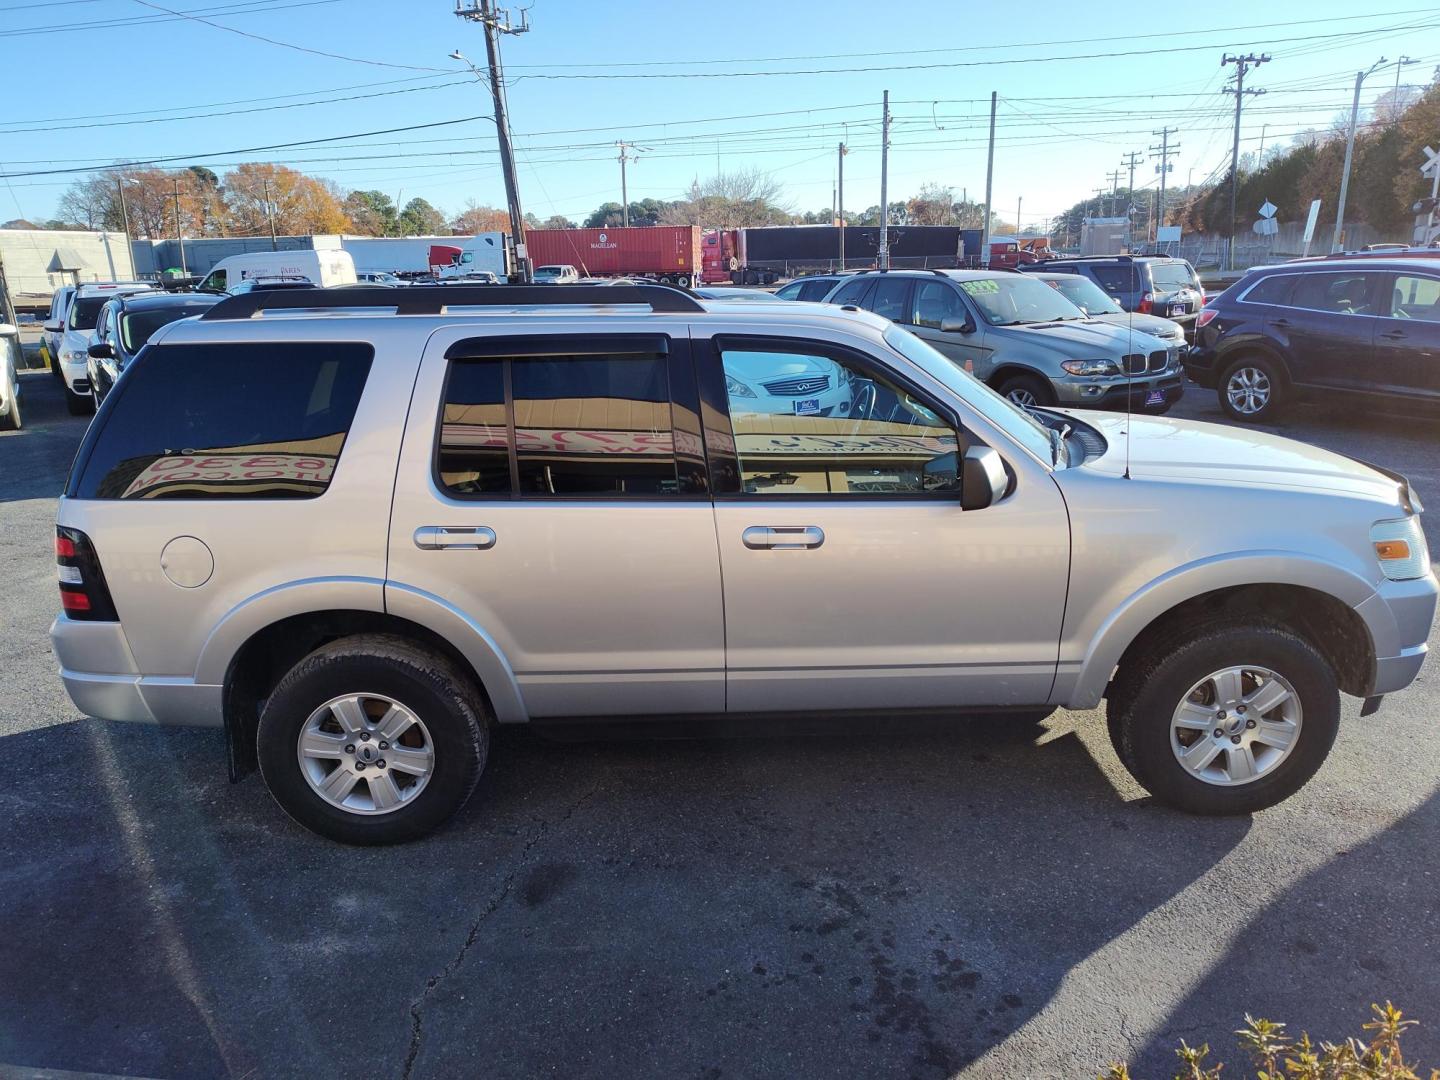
<point>1236,725</point>
<point>1248,390</point>
<point>365,754</point>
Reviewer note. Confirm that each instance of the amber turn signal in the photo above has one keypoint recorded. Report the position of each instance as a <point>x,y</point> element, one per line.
<point>1391,549</point>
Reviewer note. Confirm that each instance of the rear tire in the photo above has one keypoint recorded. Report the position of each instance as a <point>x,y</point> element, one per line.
<point>1252,390</point>
<point>12,420</point>
<point>1158,697</point>
<point>1027,390</point>
<point>443,715</point>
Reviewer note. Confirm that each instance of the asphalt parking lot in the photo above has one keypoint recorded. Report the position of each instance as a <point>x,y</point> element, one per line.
<point>890,899</point>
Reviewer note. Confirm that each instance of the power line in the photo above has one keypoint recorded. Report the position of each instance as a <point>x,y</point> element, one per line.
<point>235,7</point>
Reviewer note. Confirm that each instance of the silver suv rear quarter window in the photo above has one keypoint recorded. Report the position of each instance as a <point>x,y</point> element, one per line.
<point>232,421</point>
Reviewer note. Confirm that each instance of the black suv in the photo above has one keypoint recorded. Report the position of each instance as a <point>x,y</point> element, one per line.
<point>125,324</point>
<point>1369,326</point>
<point>1147,284</point>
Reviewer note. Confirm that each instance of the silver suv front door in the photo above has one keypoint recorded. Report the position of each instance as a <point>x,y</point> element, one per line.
<point>852,577</point>
<point>551,489</point>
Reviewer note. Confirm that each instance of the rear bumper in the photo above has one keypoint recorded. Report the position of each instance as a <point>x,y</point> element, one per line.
<point>100,676</point>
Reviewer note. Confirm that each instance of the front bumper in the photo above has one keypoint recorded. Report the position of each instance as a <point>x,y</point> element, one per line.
<point>1399,617</point>
<point>1110,393</point>
<point>101,678</point>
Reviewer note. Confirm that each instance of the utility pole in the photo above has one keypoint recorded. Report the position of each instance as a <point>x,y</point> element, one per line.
<point>1019,202</point>
<point>989,177</point>
<point>883,255</point>
<point>270,213</point>
<point>1131,159</point>
<point>125,218</point>
<point>1163,169</point>
<point>1337,243</point>
<point>179,235</point>
<point>496,21</point>
<point>840,202</point>
<point>624,189</point>
<point>1242,64</point>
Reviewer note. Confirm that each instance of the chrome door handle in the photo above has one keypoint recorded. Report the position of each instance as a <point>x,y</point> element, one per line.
<point>462,538</point>
<point>782,537</point>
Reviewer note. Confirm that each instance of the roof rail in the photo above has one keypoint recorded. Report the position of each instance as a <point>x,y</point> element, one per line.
<point>435,300</point>
<point>899,269</point>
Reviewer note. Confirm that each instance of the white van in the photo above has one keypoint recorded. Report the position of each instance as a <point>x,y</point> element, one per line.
<point>324,268</point>
<point>59,306</point>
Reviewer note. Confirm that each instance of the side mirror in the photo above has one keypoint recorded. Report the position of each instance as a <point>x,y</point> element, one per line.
<point>54,327</point>
<point>983,480</point>
<point>957,326</point>
<point>101,350</point>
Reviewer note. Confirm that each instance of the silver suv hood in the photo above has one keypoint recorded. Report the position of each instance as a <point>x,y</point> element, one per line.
<point>1162,448</point>
<point>1103,340</point>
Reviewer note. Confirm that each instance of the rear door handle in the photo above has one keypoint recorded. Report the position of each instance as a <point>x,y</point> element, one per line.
<point>782,537</point>
<point>1281,322</point>
<point>1393,335</point>
<point>462,538</point>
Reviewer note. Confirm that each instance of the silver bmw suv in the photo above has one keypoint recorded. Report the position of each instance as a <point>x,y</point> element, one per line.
<point>354,529</point>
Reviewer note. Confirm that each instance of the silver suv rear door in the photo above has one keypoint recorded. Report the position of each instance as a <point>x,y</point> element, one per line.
<point>551,489</point>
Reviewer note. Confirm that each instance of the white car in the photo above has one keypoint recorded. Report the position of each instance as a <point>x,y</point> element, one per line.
<point>558,274</point>
<point>72,362</point>
<point>10,361</point>
<point>789,385</point>
<point>59,307</point>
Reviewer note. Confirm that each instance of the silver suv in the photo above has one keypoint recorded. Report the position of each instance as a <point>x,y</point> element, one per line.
<point>355,528</point>
<point>1023,337</point>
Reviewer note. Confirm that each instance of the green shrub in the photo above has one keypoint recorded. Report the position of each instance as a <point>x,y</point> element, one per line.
<point>1278,1057</point>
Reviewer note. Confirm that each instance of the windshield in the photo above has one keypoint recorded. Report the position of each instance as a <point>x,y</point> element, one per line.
<point>136,327</point>
<point>1084,293</point>
<point>1015,301</point>
<point>542,272</point>
<point>1172,275</point>
<point>83,313</point>
<point>1010,418</point>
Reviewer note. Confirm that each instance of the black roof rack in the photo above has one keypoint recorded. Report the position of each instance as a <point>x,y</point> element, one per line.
<point>415,300</point>
<point>899,269</point>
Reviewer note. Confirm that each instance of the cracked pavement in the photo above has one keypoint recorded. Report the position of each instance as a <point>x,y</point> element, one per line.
<point>888,898</point>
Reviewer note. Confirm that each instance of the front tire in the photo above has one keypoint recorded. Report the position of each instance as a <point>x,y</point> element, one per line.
<point>1252,390</point>
<point>78,404</point>
<point>1227,719</point>
<point>373,740</point>
<point>1027,390</point>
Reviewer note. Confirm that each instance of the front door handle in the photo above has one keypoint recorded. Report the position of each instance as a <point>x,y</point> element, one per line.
<point>782,537</point>
<point>1393,335</point>
<point>1282,323</point>
<point>461,538</point>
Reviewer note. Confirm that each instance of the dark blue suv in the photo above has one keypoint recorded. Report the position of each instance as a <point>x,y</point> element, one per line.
<point>1367,327</point>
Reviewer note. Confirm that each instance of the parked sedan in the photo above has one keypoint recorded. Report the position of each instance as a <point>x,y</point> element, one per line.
<point>10,364</point>
<point>1367,328</point>
<point>127,324</point>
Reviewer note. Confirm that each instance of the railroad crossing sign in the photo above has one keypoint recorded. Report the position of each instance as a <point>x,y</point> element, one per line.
<point>1267,225</point>
<point>1432,162</point>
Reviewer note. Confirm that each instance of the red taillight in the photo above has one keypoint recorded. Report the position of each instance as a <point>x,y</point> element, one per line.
<point>83,592</point>
<point>74,602</point>
<point>1207,316</point>
<point>1147,302</point>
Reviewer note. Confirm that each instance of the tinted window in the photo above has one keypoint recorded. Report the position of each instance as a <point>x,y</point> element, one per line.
<point>1115,280</point>
<point>1340,293</point>
<point>583,425</point>
<point>228,421</point>
<point>1274,289</point>
<point>808,423</point>
<point>815,290</point>
<point>1169,276</point>
<point>137,327</point>
<point>936,301</point>
<point>889,299</point>
<point>1415,298</point>
<point>84,312</point>
<point>851,292</point>
<point>474,446</point>
<point>792,291</point>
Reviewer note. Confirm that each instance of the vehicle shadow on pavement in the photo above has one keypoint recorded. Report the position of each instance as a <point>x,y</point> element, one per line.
<point>35,459</point>
<point>885,901</point>
<point>1364,929</point>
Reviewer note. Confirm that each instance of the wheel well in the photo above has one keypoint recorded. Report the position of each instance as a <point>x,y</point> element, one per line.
<point>1338,633</point>
<point>270,653</point>
<point>1251,349</point>
<point>1001,374</point>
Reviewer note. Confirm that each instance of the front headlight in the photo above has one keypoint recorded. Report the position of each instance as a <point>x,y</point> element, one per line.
<point>1091,367</point>
<point>735,388</point>
<point>1400,548</point>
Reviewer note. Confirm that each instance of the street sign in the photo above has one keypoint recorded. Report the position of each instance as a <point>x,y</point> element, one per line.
<point>1167,234</point>
<point>1268,210</point>
<point>1310,225</point>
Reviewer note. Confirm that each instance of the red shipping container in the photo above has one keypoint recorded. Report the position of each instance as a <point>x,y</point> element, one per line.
<point>664,251</point>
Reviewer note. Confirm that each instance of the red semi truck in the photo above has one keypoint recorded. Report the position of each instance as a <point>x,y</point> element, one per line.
<point>667,253</point>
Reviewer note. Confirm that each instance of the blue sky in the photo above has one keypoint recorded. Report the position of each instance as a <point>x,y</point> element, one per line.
<point>92,85</point>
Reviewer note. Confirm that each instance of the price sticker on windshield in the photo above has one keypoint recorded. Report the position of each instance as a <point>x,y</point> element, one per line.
<point>974,288</point>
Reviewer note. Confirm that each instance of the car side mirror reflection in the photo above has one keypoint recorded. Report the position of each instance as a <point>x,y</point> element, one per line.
<point>957,326</point>
<point>983,479</point>
<point>101,350</point>
<point>54,327</point>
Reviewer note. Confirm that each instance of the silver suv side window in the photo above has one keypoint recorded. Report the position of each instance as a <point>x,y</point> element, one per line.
<point>807,422</point>
<point>226,422</point>
<point>597,425</point>
<point>936,301</point>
